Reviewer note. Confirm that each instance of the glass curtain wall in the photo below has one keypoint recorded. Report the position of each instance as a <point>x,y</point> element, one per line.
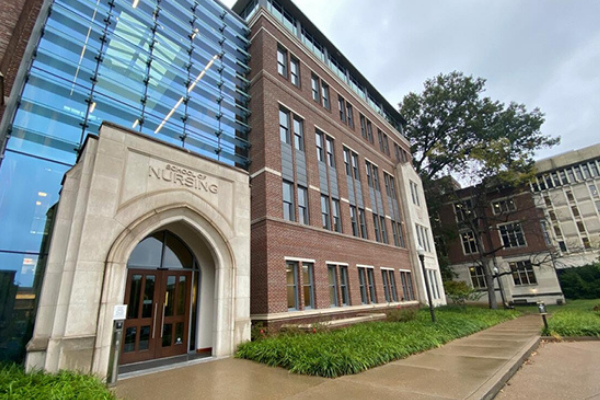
<point>173,70</point>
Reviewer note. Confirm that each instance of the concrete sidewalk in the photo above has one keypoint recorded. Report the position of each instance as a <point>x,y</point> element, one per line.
<point>474,367</point>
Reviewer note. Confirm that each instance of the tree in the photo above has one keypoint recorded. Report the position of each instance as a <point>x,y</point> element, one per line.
<point>455,130</point>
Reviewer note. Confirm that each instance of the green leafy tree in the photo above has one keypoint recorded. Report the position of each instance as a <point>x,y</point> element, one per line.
<point>455,130</point>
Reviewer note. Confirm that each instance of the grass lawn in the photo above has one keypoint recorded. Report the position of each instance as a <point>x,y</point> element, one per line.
<point>576,318</point>
<point>17,385</point>
<point>360,347</point>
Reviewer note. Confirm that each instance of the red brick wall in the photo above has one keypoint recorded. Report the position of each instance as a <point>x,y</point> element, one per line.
<point>281,238</point>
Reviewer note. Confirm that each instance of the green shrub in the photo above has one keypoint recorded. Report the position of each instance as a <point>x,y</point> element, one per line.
<point>402,314</point>
<point>15,384</point>
<point>577,318</point>
<point>581,282</point>
<point>363,346</point>
<point>459,292</point>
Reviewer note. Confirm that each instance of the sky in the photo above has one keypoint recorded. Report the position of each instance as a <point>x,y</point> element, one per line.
<point>543,54</point>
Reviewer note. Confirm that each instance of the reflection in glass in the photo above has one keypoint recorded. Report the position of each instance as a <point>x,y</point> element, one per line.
<point>181,294</point>
<point>169,294</point>
<point>167,335</point>
<point>179,333</point>
<point>134,296</point>
<point>144,338</point>
<point>148,296</point>
<point>129,344</point>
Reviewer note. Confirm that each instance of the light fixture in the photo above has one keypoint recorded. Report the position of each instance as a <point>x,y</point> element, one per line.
<point>135,3</point>
<point>42,194</point>
<point>38,203</point>
<point>135,123</point>
<point>92,107</point>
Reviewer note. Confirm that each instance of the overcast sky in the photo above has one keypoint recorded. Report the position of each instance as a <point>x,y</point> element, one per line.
<point>543,54</point>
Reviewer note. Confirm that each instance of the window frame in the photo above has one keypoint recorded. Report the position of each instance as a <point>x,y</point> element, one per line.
<point>504,228</point>
<point>282,67</point>
<point>517,269</point>
<point>294,265</point>
<point>295,77</point>
<point>311,291</point>
<point>303,209</point>
<point>332,286</point>
<point>290,204</point>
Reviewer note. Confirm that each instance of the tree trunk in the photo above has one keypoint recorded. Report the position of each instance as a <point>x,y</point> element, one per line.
<point>489,282</point>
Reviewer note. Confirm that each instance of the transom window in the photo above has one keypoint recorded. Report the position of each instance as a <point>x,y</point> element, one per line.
<point>161,250</point>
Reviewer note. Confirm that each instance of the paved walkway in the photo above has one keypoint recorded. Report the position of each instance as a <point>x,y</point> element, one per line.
<point>558,371</point>
<point>463,369</point>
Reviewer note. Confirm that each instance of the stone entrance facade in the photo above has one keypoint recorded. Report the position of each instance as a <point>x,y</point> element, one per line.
<point>125,187</point>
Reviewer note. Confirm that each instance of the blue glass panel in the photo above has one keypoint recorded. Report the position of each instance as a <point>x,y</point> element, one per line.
<point>28,188</point>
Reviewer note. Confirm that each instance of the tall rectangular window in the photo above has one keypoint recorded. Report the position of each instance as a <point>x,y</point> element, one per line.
<point>350,115</point>
<point>332,280</point>
<point>355,165</point>
<point>522,272</point>
<point>363,223</point>
<point>363,126</point>
<point>371,282</point>
<point>298,134</point>
<point>347,165</point>
<point>376,227</point>
<point>337,221</point>
<point>319,139</point>
<point>386,288</point>
<point>314,85</point>
<point>389,285</point>
<point>295,72</point>
<point>375,177</point>
<point>344,285</point>
<point>288,201</point>
<point>390,188</point>
<point>308,286</point>
<point>284,126</point>
<point>291,272</point>
<point>362,281</point>
<point>414,192</point>
<point>342,108</point>
<point>330,157</point>
<point>282,61</point>
<point>477,277</point>
<point>303,205</point>
<point>354,220</point>
<point>433,284</point>
<point>386,145</point>
<point>380,139</point>
<point>369,173</point>
<point>397,232</point>
<point>468,242</point>
<point>369,132</point>
<point>407,285</point>
<point>325,216</point>
<point>325,95</point>
<point>382,226</point>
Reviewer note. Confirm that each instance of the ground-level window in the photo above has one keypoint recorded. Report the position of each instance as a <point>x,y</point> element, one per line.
<point>344,285</point>
<point>389,285</point>
<point>477,277</point>
<point>522,272</point>
<point>332,279</point>
<point>291,272</point>
<point>407,285</point>
<point>308,286</point>
<point>367,285</point>
<point>433,284</point>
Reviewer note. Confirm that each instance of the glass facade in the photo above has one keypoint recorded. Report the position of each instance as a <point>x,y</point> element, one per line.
<point>173,70</point>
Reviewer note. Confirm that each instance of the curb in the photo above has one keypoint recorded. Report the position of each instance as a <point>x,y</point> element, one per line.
<point>552,339</point>
<point>496,382</point>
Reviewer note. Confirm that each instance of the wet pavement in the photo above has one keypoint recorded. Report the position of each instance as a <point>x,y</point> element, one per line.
<point>467,368</point>
<point>558,371</point>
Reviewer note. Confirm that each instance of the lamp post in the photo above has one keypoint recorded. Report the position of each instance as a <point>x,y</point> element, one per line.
<point>421,253</point>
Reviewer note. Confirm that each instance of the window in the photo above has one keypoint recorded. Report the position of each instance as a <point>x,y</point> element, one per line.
<point>362,282</point>
<point>575,211</point>
<point>342,108</point>
<point>363,223</point>
<point>384,145</point>
<point>288,201</point>
<point>463,210</point>
<point>578,173</point>
<point>397,231</point>
<point>390,189</point>
<point>303,205</point>
<point>354,220</point>
<point>570,196</point>
<point>380,138</point>
<point>382,226</point>
<point>332,278</point>
<point>547,201</point>
<point>363,126</point>
<point>376,227</point>
<point>389,285</point>
<point>284,126</point>
<point>594,169</point>
<point>586,243</point>
<point>414,192</point>
<point>355,165</point>
<point>325,95</point>
<point>282,61</point>
<point>347,165</point>
<point>314,84</point>
<point>330,157</point>
<point>320,149</point>
<point>580,227</point>
<point>350,115</point>
<point>594,190</point>
<point>369,132</point>
<point>562,245</point>
<point>522,272</point>
<point>344,285</point>
<point>308,286</point>
<point>478,277</point>
<point>546,233</point>
<point>407,286</point>
<point>468,242</point>
<point>291,272</point>
<point>423,237</point>
<point>298,134</point>
<point>371,281</point>
<point>337,221</point>
<point>512,235</point>
<point>503,206</point>
<point>375,177</point>
<point>295,72</point>
<point>433,283</point>
<point>325,219</point>
<point>369,173</point>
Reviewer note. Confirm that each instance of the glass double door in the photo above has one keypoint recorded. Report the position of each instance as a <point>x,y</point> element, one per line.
<point>158,314</point>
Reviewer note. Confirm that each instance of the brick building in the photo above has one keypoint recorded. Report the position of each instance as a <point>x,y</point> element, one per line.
<point>509,227</point>
<point>334,229</point>
<point>184,139</point>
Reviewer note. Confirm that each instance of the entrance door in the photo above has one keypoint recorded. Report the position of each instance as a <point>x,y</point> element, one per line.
<point>158,310</point>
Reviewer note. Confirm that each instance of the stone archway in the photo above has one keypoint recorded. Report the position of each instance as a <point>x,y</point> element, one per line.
<point>124,187</point>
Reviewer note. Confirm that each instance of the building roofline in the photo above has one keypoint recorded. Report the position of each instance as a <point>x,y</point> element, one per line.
<point>314,31</point>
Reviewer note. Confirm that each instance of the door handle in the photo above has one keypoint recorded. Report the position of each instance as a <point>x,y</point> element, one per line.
<point>162,321</point>
<point>154,320</point>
